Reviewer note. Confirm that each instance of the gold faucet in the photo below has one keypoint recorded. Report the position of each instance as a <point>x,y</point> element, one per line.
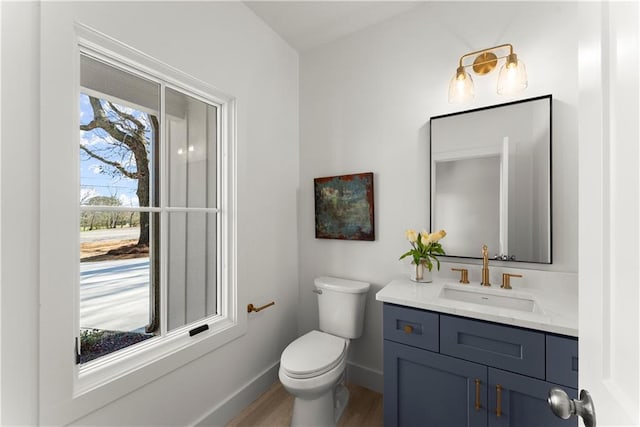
<point>506,283</point>
<point>485,266</point>
<point>464,275</point>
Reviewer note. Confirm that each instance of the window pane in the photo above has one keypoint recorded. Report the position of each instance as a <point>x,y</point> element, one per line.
<point>119,134</point>
<point>117,283</point>
<point>192,267</point>
<point>97,76</point>
<point>191,136</point>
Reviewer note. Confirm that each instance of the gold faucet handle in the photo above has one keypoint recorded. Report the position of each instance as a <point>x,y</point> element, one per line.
<point>506,280</point>
<point>464,274</point>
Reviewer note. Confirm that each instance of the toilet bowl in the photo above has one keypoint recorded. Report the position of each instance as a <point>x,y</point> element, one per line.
<point>312,368</point>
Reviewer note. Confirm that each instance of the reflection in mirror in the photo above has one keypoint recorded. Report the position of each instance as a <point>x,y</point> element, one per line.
<point>491,180</point>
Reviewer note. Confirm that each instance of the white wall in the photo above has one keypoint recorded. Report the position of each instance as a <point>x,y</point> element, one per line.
<point>365,103</point>
<point>227,46</point>
<point>20,177</point>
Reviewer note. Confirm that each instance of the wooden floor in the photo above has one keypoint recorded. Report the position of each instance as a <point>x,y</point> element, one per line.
<point>275,406</point>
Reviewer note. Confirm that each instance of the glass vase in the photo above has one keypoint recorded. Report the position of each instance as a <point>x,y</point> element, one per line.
<point>420,272</point>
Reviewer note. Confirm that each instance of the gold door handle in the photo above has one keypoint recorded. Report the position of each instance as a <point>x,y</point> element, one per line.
<point>253,308</point>
<point>478,405</point>
<point>408,329</point>
<point>498,400</point>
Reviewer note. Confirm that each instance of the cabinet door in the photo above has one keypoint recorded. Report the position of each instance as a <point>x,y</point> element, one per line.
<point>427,389</point>
<point>522,401</point>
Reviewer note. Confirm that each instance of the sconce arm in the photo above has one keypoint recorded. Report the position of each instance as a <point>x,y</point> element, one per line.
<point>477,52</point>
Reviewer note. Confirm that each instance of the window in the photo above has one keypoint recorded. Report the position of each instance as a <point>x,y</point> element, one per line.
<point>149,209</point>
<point>138,223</point>
<point>119,184</point>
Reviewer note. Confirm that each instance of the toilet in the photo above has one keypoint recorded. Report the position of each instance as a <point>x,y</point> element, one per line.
<point>312,368</point>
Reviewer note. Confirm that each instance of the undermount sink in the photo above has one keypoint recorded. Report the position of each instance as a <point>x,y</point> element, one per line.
<point>491,298</point>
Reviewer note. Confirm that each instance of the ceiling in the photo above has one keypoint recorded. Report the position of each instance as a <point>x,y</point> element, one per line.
<point>307,24</point>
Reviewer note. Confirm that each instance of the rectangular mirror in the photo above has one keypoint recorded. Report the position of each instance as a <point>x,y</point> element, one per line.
<point>491,180</point>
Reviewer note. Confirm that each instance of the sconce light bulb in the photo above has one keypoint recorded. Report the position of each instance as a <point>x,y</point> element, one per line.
<point>512,61</point>
<point>513,76</point>
<point>461,87</point>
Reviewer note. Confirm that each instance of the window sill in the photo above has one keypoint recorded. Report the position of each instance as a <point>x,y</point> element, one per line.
<point>103,381</point>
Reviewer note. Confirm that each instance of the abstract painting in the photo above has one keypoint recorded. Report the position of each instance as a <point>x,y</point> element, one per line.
<point>344,207</point>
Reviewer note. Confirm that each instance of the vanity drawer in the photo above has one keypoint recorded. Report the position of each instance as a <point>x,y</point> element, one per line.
<point>411,326</point>
<point>504,347</point>
<point>562,360</point>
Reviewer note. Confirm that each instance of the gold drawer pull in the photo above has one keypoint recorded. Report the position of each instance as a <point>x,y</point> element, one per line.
<point>498,400</point>
<point>408,329</point>
<point>478,405</point>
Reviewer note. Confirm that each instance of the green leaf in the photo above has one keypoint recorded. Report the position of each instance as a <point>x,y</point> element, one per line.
<point>429,264</point>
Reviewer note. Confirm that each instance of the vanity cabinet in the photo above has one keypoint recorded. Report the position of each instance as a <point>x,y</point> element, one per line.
<point>424,388</point>
<point>443,370</point>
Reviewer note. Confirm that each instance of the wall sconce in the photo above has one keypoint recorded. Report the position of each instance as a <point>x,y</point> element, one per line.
<point>512,78</point>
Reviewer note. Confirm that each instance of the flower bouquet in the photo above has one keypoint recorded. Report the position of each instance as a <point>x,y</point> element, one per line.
<point>424,248</point>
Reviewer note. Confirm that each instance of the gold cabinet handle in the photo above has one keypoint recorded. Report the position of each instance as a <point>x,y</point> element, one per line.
<point>255,309</point>
<point>498,400</point>
<point>478,405</point>
<point>408,329</point>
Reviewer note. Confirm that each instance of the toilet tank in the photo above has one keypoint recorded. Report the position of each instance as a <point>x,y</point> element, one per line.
<point>341,305</point>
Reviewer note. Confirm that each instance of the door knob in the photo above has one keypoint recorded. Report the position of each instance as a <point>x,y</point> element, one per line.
<point>563,407</point>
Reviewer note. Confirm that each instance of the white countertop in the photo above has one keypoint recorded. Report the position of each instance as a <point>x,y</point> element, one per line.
<point>558,306</point>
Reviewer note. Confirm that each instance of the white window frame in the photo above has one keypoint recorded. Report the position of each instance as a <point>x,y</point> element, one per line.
<point>71,391</point>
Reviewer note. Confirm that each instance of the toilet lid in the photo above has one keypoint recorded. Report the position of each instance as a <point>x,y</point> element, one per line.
<point>312,354</point>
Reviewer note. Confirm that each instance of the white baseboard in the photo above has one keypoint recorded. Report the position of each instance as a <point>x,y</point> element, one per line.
<point>227,410</point>
<point>365,377</point>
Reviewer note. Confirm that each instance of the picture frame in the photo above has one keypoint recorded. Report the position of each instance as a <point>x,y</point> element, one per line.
<point>344,207</point>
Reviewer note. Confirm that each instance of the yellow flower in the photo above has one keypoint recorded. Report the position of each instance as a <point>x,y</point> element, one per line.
<point>425,250</point>
<point>438,235</point>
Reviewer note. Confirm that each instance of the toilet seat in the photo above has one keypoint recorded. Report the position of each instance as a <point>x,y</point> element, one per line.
<point>312,355</point>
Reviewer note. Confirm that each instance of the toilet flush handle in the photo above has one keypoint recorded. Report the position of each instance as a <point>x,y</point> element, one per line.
<point>317,291</point>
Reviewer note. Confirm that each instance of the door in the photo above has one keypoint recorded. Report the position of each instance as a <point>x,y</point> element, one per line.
<point>609,220</point>
<point>428,389</point>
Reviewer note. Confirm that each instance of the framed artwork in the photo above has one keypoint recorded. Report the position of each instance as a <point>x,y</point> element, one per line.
<point>344,207</point>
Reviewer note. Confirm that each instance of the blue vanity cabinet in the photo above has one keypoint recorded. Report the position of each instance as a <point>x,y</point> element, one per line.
<point>423,388</point>
<point>448,370</point>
